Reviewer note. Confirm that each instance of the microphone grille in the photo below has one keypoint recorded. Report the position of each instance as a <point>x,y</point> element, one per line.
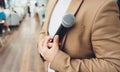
<point>68,20</point>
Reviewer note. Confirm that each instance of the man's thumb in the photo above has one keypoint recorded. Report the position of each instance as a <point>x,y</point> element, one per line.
<point>56,39</point>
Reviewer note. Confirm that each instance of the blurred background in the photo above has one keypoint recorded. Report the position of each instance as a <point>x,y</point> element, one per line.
<point>20,24</point>
<point>10,7</point>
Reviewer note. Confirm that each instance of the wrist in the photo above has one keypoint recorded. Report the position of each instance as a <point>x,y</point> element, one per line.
<point>54,55</point>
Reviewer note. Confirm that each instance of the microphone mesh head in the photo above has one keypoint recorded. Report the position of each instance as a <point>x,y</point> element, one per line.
<point>68,20</point>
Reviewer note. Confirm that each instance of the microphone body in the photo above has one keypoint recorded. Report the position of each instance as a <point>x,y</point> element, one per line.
<point>67,22</point>
<point>61,32</point>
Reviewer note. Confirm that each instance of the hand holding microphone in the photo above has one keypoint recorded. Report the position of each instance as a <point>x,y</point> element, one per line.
<point>49,50</point>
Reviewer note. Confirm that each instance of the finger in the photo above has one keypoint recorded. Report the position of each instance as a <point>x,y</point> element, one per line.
<point>60,44</point>
<point>40,45</point>
<point>42,41</point>
<point>50,45</point>
<point>47,40</point>
<point>43,46</point>
<point>44,52</point>
<point>56,40</point>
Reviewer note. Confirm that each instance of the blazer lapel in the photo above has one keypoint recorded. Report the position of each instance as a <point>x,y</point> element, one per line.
<point>74,6</point>
<point>72,9</point>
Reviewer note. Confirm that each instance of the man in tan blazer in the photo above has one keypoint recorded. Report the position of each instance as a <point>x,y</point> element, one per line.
<point>92,45</point>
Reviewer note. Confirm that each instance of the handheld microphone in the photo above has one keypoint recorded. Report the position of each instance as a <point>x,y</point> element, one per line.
<point>67,22</point>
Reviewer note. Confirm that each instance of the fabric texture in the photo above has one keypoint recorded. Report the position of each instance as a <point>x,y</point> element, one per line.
<point>93,44</point>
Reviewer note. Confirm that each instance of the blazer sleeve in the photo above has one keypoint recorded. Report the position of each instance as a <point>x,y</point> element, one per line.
<point>105,40</point>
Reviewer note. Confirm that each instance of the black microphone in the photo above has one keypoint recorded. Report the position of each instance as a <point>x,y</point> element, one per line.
<point>67,22</point>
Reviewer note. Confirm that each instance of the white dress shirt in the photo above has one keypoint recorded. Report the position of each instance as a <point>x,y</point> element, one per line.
<point>57,15</point>
<point>56,19</point>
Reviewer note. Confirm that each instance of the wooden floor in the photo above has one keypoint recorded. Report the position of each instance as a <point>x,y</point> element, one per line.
<point>20,54</point>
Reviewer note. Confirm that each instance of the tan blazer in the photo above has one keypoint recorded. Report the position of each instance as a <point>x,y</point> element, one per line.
<point>93,44</point>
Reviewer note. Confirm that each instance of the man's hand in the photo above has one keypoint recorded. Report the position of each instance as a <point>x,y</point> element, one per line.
<point>47,49</point>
